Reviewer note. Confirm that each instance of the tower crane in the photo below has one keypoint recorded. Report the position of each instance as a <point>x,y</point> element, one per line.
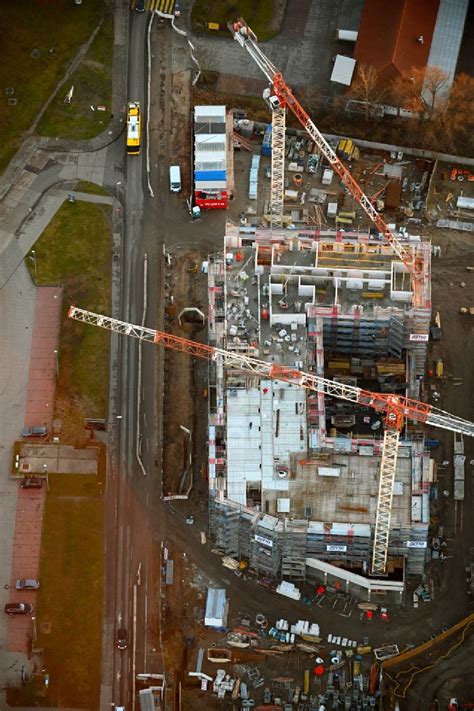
<point>281,96</point>
<point>396,409</point>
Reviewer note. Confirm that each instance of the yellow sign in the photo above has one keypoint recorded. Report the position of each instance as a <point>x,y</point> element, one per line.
<point>213,25</point>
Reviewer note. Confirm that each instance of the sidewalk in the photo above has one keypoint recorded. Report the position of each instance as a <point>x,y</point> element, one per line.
<point>44,363</point>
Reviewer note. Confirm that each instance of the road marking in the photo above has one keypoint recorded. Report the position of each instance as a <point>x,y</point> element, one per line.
<point>164,6</point>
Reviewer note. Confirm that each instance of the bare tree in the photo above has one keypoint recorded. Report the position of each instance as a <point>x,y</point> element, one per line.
<point>367,88</point>
<point>422,90</point>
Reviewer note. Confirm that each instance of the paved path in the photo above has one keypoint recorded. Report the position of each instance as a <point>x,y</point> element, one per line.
<point>44,362</point>
<point>17,305</point>
<point>25,564</point>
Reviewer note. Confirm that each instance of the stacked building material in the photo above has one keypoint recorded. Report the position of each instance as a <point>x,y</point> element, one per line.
<point>253,178</point>
<point>210,157</point>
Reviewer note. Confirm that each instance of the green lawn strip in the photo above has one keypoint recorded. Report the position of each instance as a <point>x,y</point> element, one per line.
<point>75,251</point>
<point>27,26</point>
<point>92,83</point>
<point>83,186</point>
<point>257,14</point>
<point>69,610</point>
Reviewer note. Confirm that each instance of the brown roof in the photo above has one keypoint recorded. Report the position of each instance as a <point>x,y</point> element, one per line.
<point>389,31</point>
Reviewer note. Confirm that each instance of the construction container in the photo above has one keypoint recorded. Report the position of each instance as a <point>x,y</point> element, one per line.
<point>347,36</point>
<point>266,149</point>
<point>327,176</point>
<point>332,209</point>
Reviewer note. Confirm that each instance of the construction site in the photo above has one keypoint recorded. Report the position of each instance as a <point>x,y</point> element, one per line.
<point>329,550</point>
<point>328,506</point>
<point>297,468</point>
<point>303,485</point>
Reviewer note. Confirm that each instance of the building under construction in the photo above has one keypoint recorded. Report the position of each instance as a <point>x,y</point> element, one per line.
<point>294,474</point>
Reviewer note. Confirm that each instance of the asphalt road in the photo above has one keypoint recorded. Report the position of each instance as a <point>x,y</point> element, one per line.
<point>137,521</point>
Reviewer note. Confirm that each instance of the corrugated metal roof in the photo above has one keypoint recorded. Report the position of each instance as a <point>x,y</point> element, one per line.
<point>389,32</point>
<point>448,35</point>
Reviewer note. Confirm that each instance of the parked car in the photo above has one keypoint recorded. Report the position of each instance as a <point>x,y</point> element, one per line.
<point>31,482</point>
<point>27,584</point>
<point>140,6</point>
<point>122,639</point>
<point>18,608</point>
<point>37,431</point>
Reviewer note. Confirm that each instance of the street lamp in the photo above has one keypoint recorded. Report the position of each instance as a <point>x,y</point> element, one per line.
<point>33,258</point>
<point>56,353</point>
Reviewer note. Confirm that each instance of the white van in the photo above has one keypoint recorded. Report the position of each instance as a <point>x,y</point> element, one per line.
<point>175,178</point>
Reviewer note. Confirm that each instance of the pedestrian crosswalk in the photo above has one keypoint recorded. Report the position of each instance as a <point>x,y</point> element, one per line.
<point>166,7</point>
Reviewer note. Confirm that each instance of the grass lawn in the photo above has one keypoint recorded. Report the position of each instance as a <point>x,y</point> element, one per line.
<point>69,610</point>
<point>83,186</point>
<point>75,251</point>
<point>92,83</point>
<point>29,25</point>
<point>257,14</point>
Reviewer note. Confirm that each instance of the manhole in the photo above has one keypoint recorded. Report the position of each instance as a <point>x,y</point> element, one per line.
<point>9,90</point>
<point>35,53</point>
<point>6,587</point>
<point>12,102</point>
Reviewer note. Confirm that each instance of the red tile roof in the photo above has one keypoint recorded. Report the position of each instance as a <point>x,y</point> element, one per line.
<point>389,31</point>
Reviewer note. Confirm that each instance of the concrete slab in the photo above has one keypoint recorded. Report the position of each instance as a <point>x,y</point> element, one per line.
<point>53,458</point>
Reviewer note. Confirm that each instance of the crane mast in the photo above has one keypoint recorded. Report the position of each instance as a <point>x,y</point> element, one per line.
<point>284,97</point>
<point>278,166</point>
<point>278,133</point>
<point>396,408</point>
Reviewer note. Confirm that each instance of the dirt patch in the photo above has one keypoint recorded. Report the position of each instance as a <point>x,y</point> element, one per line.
<point>185,287</point>
<point>181,139</point>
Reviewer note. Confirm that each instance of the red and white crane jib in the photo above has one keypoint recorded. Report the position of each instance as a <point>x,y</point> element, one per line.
<point>395,407</point>
<point>247,39</point>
